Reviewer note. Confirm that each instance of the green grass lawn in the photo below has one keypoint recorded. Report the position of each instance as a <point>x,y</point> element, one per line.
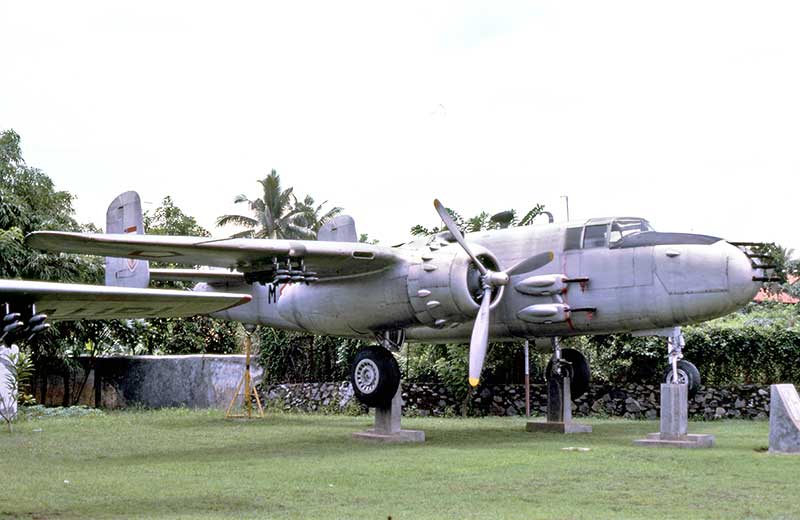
<point>195,464</point>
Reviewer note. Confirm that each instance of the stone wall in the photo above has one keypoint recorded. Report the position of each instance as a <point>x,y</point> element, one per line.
<point>208,381</point>
<point>630,401</point>
<point>193,381</point>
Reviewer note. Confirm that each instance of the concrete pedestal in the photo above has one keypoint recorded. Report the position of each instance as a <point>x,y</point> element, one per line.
<point>675,422</point>
<point>559,411</point>
<point>387,425</point>
<point>784,419</point>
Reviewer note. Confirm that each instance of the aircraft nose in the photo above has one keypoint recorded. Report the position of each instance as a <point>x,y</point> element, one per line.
<point>741,286</point>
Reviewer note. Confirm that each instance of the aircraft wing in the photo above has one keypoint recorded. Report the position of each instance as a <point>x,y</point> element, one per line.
<point>326,259</point>
<point>64,301</point>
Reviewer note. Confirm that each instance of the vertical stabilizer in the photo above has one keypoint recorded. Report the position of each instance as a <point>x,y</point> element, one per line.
<point>124,215</point>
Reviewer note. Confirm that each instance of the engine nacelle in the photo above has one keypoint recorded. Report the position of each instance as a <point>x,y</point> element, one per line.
<point>445,289</point>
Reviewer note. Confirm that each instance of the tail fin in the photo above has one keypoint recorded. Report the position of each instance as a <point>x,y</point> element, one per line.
<point>341,228</point>
<point>124,215</point>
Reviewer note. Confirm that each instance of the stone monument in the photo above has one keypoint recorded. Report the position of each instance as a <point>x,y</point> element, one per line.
<point>784,419</point>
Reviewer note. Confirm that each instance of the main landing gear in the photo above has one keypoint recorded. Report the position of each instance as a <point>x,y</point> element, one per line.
<point>375,376</point>
<point>680,371</point>
<point>567,376</point>
<point>568,362</point>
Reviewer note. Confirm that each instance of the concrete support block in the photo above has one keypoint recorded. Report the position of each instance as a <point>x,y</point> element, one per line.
<point>559,411</point>
<point>784,419</point>
<point>674,411</point>
<point>675,422</point>
<point>387,425</point>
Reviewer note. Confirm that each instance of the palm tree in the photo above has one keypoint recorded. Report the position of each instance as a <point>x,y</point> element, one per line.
<point>276,213</point>
<point>312,217</point>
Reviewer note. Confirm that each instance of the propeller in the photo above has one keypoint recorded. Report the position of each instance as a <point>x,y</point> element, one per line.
<point>490,280</point>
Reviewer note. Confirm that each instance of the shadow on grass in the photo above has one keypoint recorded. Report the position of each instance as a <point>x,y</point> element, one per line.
<point>183,506</point>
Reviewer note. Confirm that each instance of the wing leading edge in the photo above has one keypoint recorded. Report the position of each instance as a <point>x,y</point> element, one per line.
<point>62,301</point>
<point>326,259</point>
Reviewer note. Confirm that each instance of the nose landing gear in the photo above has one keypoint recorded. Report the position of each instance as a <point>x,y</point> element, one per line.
<point>680,371</point>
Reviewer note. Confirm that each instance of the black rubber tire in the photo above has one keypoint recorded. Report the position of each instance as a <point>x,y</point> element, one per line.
<point>380,392</point>
<point>686,370</point>
<point>579,378</point>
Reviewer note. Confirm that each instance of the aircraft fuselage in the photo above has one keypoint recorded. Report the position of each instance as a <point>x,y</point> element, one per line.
<point>600,281</point>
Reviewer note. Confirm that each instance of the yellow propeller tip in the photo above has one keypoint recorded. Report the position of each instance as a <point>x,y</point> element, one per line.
<point>473,381</point>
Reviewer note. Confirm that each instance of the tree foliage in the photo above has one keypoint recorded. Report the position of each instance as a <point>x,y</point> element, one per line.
<point>30,202</point>
<point>278,214</point>
<point>169,219</point>
<point>197,334</point>
<point>483,221</point>
<point>292,357</point>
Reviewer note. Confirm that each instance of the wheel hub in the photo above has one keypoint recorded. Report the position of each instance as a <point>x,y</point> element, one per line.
<point>367,376</point>
<point>683,377</point>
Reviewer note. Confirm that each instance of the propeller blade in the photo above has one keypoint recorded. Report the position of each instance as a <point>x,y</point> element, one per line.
<point>530,264</point>
<point>453,229</point>
<point>480,339</point>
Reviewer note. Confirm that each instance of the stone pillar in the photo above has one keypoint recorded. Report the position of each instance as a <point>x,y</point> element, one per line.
<point>387,424</point>
<point>675,422</point>
<point>387,420</point>
<point>674,412</point>
<point>559,410</point>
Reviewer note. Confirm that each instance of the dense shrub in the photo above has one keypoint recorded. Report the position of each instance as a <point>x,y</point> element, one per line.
<point>292,357</point>
<point>760,344</point>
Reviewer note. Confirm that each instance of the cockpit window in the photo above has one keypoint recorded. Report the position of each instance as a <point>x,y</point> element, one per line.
<point>624,227</point>
<point>595,236</point>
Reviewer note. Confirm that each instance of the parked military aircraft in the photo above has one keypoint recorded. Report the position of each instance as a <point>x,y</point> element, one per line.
<point>543,282</point>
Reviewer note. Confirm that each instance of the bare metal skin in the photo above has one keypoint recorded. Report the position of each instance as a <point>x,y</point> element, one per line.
<point>600,276</point>
<point>633,289</point>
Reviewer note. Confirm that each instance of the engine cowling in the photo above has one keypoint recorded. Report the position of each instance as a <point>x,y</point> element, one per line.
<point>445,288</point>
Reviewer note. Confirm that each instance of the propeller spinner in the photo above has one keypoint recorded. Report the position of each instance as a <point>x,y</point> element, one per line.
<point>490,280</point>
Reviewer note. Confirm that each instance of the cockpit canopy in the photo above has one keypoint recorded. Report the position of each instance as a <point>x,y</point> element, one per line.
<point>604,232</point>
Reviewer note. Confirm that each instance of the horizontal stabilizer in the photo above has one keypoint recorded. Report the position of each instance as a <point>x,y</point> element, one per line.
<point>196,275</point>
<point>63,301</point>
<point>326,259</point>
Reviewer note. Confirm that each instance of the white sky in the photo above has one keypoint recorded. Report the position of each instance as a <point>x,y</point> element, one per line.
<point>686,113</point>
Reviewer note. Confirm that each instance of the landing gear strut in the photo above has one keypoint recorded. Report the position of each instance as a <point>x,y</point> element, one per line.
<point>680,371</point>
